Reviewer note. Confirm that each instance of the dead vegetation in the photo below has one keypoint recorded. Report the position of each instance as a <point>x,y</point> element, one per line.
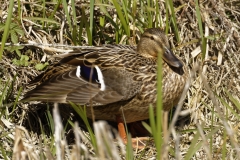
<point>212,100</point>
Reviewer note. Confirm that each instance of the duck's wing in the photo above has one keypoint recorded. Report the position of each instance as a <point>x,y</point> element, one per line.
<point>82,78</point>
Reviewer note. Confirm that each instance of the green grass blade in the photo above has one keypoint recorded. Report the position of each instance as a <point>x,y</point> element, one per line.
<point>157,16</point>
<point>108,16</point>
<point>124,7</point>
<point>167,18</point>
<point>197,143</point>
<point>204,47</point>
<point>43,11</point>
<point>224,147</point>
<point>80,31</point>
<point>17,98</point>
<point>233,100</point>
<point>129,148</point>
<point>211,128</point>
<point>150,18</point>
<point>3,151</point>
<point>148,127</point>
<point>4,93</point>
<point>199,19</point>
<point>19,10</point>
<point>91,18</point>
<point>173,19</point>
<point>43,20</point>
<point>84,18</point>
<point>9,89</point>
<point>82,113</point>
<point>152,122</point>
<point>50,120</point>
<point>7,26</point>
<point>228,107</point>
<point>74,29</point>
<point>65,7</point>
<point>159,109</point>
<point>134,12</point>
<point>121,17</point>
<point>55,9</point>
<point>200,26</point>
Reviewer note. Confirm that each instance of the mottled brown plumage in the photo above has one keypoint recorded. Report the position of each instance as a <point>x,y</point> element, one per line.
<point>129,78</point>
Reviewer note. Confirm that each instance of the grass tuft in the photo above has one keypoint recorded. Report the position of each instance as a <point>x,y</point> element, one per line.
<point>213,99</point>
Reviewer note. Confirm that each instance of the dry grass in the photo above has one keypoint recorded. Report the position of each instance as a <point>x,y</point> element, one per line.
<point>212,100</point>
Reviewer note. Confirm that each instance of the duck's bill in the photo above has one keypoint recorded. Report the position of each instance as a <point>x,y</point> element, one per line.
<point>171,59</point>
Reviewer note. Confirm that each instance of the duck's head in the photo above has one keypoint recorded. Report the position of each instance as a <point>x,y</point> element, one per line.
<point>154,43</point>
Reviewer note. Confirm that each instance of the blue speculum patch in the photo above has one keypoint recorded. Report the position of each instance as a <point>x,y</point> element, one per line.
<point>89,73</point>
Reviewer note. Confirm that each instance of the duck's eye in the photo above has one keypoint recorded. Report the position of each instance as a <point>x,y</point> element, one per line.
<point>152,38</point>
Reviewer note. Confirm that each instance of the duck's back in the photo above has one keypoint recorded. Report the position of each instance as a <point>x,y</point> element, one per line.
<point>101,75</point>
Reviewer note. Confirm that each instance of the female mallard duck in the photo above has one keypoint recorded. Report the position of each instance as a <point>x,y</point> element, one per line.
<point>117,80</point>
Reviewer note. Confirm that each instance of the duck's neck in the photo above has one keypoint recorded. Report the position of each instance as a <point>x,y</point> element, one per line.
<point>146,53</point>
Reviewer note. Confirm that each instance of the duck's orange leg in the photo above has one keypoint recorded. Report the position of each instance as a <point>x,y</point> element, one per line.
<point>137,143</point>
<point>121,128</point>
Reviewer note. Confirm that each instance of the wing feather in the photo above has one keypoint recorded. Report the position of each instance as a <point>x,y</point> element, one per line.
<point>63,82</point>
